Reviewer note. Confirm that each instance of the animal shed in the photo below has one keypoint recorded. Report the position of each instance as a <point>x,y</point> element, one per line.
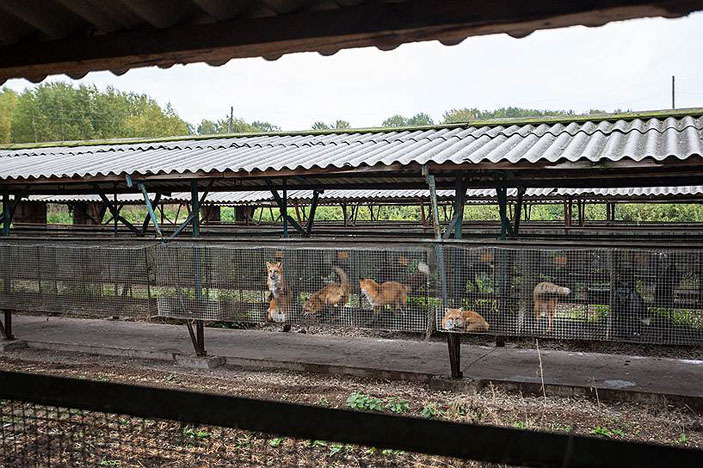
<point>613,293</point>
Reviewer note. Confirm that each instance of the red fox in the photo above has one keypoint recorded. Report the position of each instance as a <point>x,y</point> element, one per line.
<point>545,297</point>
<point>389,293</point>
<point>464,320</point>
<point>331,295</point>
<point>280,297</point>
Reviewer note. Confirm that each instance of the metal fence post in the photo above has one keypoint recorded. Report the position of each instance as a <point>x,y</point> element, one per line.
<point>452,340</point>
<point>199,342</point>
<point>6,325</point>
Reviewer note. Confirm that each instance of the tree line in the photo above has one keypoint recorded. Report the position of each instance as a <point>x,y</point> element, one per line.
<point>60,112</point>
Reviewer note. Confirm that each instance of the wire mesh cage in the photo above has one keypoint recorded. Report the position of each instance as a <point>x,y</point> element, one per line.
<point>78,279</point>
<point>354,286</point>
<point>632,295</point>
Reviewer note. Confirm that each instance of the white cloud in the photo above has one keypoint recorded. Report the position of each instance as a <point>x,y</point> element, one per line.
<point>620,65</point>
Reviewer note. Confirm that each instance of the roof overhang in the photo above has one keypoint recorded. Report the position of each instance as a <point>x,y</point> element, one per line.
<point>74,37</point>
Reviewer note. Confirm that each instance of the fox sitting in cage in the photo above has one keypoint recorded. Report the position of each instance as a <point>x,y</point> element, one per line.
<point>334,294</point>
<point>631,314</point>
<point>464,320</point>
<point>545,297</point>
<point>390,293</point>
<point>280,296</point>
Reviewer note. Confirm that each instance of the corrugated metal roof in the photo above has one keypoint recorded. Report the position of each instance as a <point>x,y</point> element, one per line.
<point>590,141</point>
<point>338,196</point>
<point>634,192</point>
<point>78,36</point>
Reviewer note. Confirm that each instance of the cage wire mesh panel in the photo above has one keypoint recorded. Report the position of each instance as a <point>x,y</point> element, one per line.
<point>33,435</point>
<point>634,295</point>
<point>630,295</point>
<point>83,280</point>
<point>296,284</point>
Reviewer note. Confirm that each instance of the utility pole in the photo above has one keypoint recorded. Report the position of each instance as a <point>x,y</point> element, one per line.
<point>673,91</point>
<point>231,117</point>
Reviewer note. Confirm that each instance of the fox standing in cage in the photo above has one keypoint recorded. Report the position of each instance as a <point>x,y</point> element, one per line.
<point>545,297</point>
<point>390,293</point>
<point>334,294</point>
<point>280,297</point>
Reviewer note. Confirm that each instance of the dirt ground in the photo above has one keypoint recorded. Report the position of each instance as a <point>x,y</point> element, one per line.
<point>626,420</point>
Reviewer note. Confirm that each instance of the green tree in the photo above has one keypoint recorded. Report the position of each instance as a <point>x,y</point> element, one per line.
<point>265,127</point>
<point>459,115</point>
<point>420,119</point>
<point>396,120</point>
<point>337,125</point>
<point>466,114</point>
<point>58,111</point>
<point>207,127</point>
<point>238,125</point>
<point>8,103</point>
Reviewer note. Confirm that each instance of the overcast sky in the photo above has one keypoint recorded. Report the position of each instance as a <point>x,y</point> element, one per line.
<point>625,65</point>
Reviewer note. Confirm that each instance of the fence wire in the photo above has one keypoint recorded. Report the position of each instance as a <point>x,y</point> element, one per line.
<point>34,435</point>
<point>635,295</point>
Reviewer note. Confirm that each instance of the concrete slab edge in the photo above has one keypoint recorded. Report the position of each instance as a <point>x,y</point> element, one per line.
<point>437,382</point>
<point>103,350</point>
<point>11,345</point>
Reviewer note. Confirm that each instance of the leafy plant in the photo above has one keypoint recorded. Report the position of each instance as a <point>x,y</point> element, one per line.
<point>194,434</point>
<point>336,448</point>
<point>398,405</point>
<point>391,452</point>
<point>363,402</point>
<point>431,411</point>
<point>275,443</point>
<point>602,431</point>
<point>317,443</point>
<point>520,425</point>
<point>683,439</point>
<point>110,463</point>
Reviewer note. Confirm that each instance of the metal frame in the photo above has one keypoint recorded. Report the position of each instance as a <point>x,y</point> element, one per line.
<point>197,336</point>
<point>7,211</point>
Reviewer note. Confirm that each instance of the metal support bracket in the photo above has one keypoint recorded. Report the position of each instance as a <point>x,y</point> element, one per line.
<point>149,206</point>
<point>505,226</point>
<point>313,207</point>
<point>283,207</point>
<point>115,212</point>
<point>518,209</point>
<point>457,221</point>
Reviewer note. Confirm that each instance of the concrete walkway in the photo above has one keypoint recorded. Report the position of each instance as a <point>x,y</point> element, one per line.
<point>614,376</point>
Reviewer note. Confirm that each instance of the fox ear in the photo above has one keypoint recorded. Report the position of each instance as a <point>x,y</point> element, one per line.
<point>279,265</point>
<point>269,264</point>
